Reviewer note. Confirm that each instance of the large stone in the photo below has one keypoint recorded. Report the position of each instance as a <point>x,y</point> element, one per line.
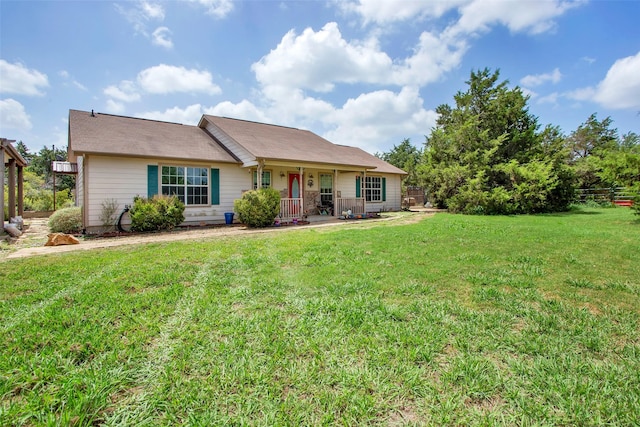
<point>57,239</point>
<point>12,230</point>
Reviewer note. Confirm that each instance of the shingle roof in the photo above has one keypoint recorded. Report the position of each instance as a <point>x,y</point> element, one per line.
<point>97,133</point>
<point>272,142</point>
<point>118,135</point>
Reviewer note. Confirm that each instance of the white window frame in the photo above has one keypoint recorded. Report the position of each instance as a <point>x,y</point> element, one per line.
<point>327,194</point>
<point>254,178</point>
<point>182,180</point>
<point>373,188</point>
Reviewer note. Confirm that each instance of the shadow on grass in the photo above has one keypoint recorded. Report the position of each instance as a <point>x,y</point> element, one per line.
<point>573,212</point>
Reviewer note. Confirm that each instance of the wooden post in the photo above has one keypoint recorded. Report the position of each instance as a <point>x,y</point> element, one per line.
<point>12,188</point>
<point>20,191</point>
<point>54,187</point>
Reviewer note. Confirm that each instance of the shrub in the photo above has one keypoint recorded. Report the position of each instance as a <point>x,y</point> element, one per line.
<point>157,213</point>
<point>108,214</point>
<point>258,208</point>
<point>67,220</point>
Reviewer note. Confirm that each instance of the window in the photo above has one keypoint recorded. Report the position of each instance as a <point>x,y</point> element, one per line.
<point>266,179</point>
<point>189,184</point>
<point>326,190</point>
<point>373,189</point>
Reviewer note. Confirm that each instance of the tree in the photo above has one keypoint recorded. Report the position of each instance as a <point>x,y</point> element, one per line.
<point>485,154</point>
<point>619,165</point>
<point>24,151</point>
<point>591,137</point>
<point>406,157</point>
<point>40,164</point>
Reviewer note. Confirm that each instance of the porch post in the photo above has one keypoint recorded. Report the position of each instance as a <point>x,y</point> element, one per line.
<point>302,187</point>
<point>335,191</point>
<point>12,188</point>
<point>20,191</point>
<point>259,174</point>
<point>364,193</point>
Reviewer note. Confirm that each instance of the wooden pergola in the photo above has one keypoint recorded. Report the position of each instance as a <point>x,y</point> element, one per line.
<point>14,163</point>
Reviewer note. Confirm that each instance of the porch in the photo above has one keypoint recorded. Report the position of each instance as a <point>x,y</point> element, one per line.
<point>291,207</point>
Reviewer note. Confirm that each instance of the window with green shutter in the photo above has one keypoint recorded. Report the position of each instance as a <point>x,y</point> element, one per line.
<point>189,184</point>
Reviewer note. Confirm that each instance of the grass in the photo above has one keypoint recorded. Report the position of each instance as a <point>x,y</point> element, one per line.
<point>453,320</point>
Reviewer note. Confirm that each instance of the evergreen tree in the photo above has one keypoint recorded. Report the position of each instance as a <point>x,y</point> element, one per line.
<point>485,154</point>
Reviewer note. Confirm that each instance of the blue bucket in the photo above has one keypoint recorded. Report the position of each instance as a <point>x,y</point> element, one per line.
<point>228,218</point>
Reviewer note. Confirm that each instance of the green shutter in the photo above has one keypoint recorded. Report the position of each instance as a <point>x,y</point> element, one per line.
<point>384,189</point>
<point>152,180</point>
<point>358,187</point>
<point>215,186</point>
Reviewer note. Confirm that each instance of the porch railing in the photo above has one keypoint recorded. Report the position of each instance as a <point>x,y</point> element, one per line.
<point>290,207</point>
<point>355,204</point>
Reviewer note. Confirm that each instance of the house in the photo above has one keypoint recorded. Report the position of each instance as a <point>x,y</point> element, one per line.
<point>210,165</point>
<point>13,163</point>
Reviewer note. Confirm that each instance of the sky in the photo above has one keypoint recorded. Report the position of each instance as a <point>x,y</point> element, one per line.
<point>365,73</point>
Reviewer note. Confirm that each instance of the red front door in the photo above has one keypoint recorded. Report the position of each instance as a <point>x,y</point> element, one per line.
<point>294,185</point>
<point>294,193</point>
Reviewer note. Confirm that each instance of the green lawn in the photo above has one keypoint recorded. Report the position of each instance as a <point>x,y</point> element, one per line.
<point>453,320</point>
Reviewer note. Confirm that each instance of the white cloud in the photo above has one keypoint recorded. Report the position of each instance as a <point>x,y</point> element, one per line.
<point>64,74</point>
<point>315,60</point>
<point>534,17</point>
<point>216,8</point>
<point>162,37</point>
<point>433,57</point>
<point>189,115</point>
<point>141,15</point>
<point>582,94</point>
<point>378,119</point>
<point>474,15</point>
<point>552,98</point>
<point>385,12</point>
<point>114,107</point>
<point>243,110</point>
<point>18,79</point>
<point>152,11</point>
<point>620,89</point>
<point>13,116</point>
<point>163,79</point>
<point>319,60</point>
<point>538,79</point>
<point>126,91</point>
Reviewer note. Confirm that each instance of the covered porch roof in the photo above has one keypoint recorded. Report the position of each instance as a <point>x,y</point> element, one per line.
<point>13,162</point>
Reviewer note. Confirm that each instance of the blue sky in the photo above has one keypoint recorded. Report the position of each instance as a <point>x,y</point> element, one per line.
<point>366,73</point>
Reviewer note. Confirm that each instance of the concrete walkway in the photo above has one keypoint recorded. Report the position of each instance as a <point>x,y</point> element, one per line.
<point>201,233</point>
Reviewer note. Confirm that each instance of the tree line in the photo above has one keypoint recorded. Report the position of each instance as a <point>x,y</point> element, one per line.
<point>487,154</point>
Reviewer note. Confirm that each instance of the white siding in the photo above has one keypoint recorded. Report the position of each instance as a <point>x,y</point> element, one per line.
<point>123,178</point>
<point>393,202</point>
<point>240,152</point>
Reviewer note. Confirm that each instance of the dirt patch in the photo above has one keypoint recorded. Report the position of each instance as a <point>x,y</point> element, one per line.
<point>32,242</point>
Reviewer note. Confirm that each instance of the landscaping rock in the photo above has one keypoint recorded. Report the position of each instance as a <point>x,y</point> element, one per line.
<point>12,230</point>
<point>57,239</point>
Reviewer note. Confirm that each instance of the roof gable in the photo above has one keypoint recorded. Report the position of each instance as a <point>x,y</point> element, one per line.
<point>273,142</point>
<point>107,134</point>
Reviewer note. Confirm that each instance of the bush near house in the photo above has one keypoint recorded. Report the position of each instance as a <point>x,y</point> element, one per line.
<point>258,208</point>
<point>67,220</point>
<point>157,213</point>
